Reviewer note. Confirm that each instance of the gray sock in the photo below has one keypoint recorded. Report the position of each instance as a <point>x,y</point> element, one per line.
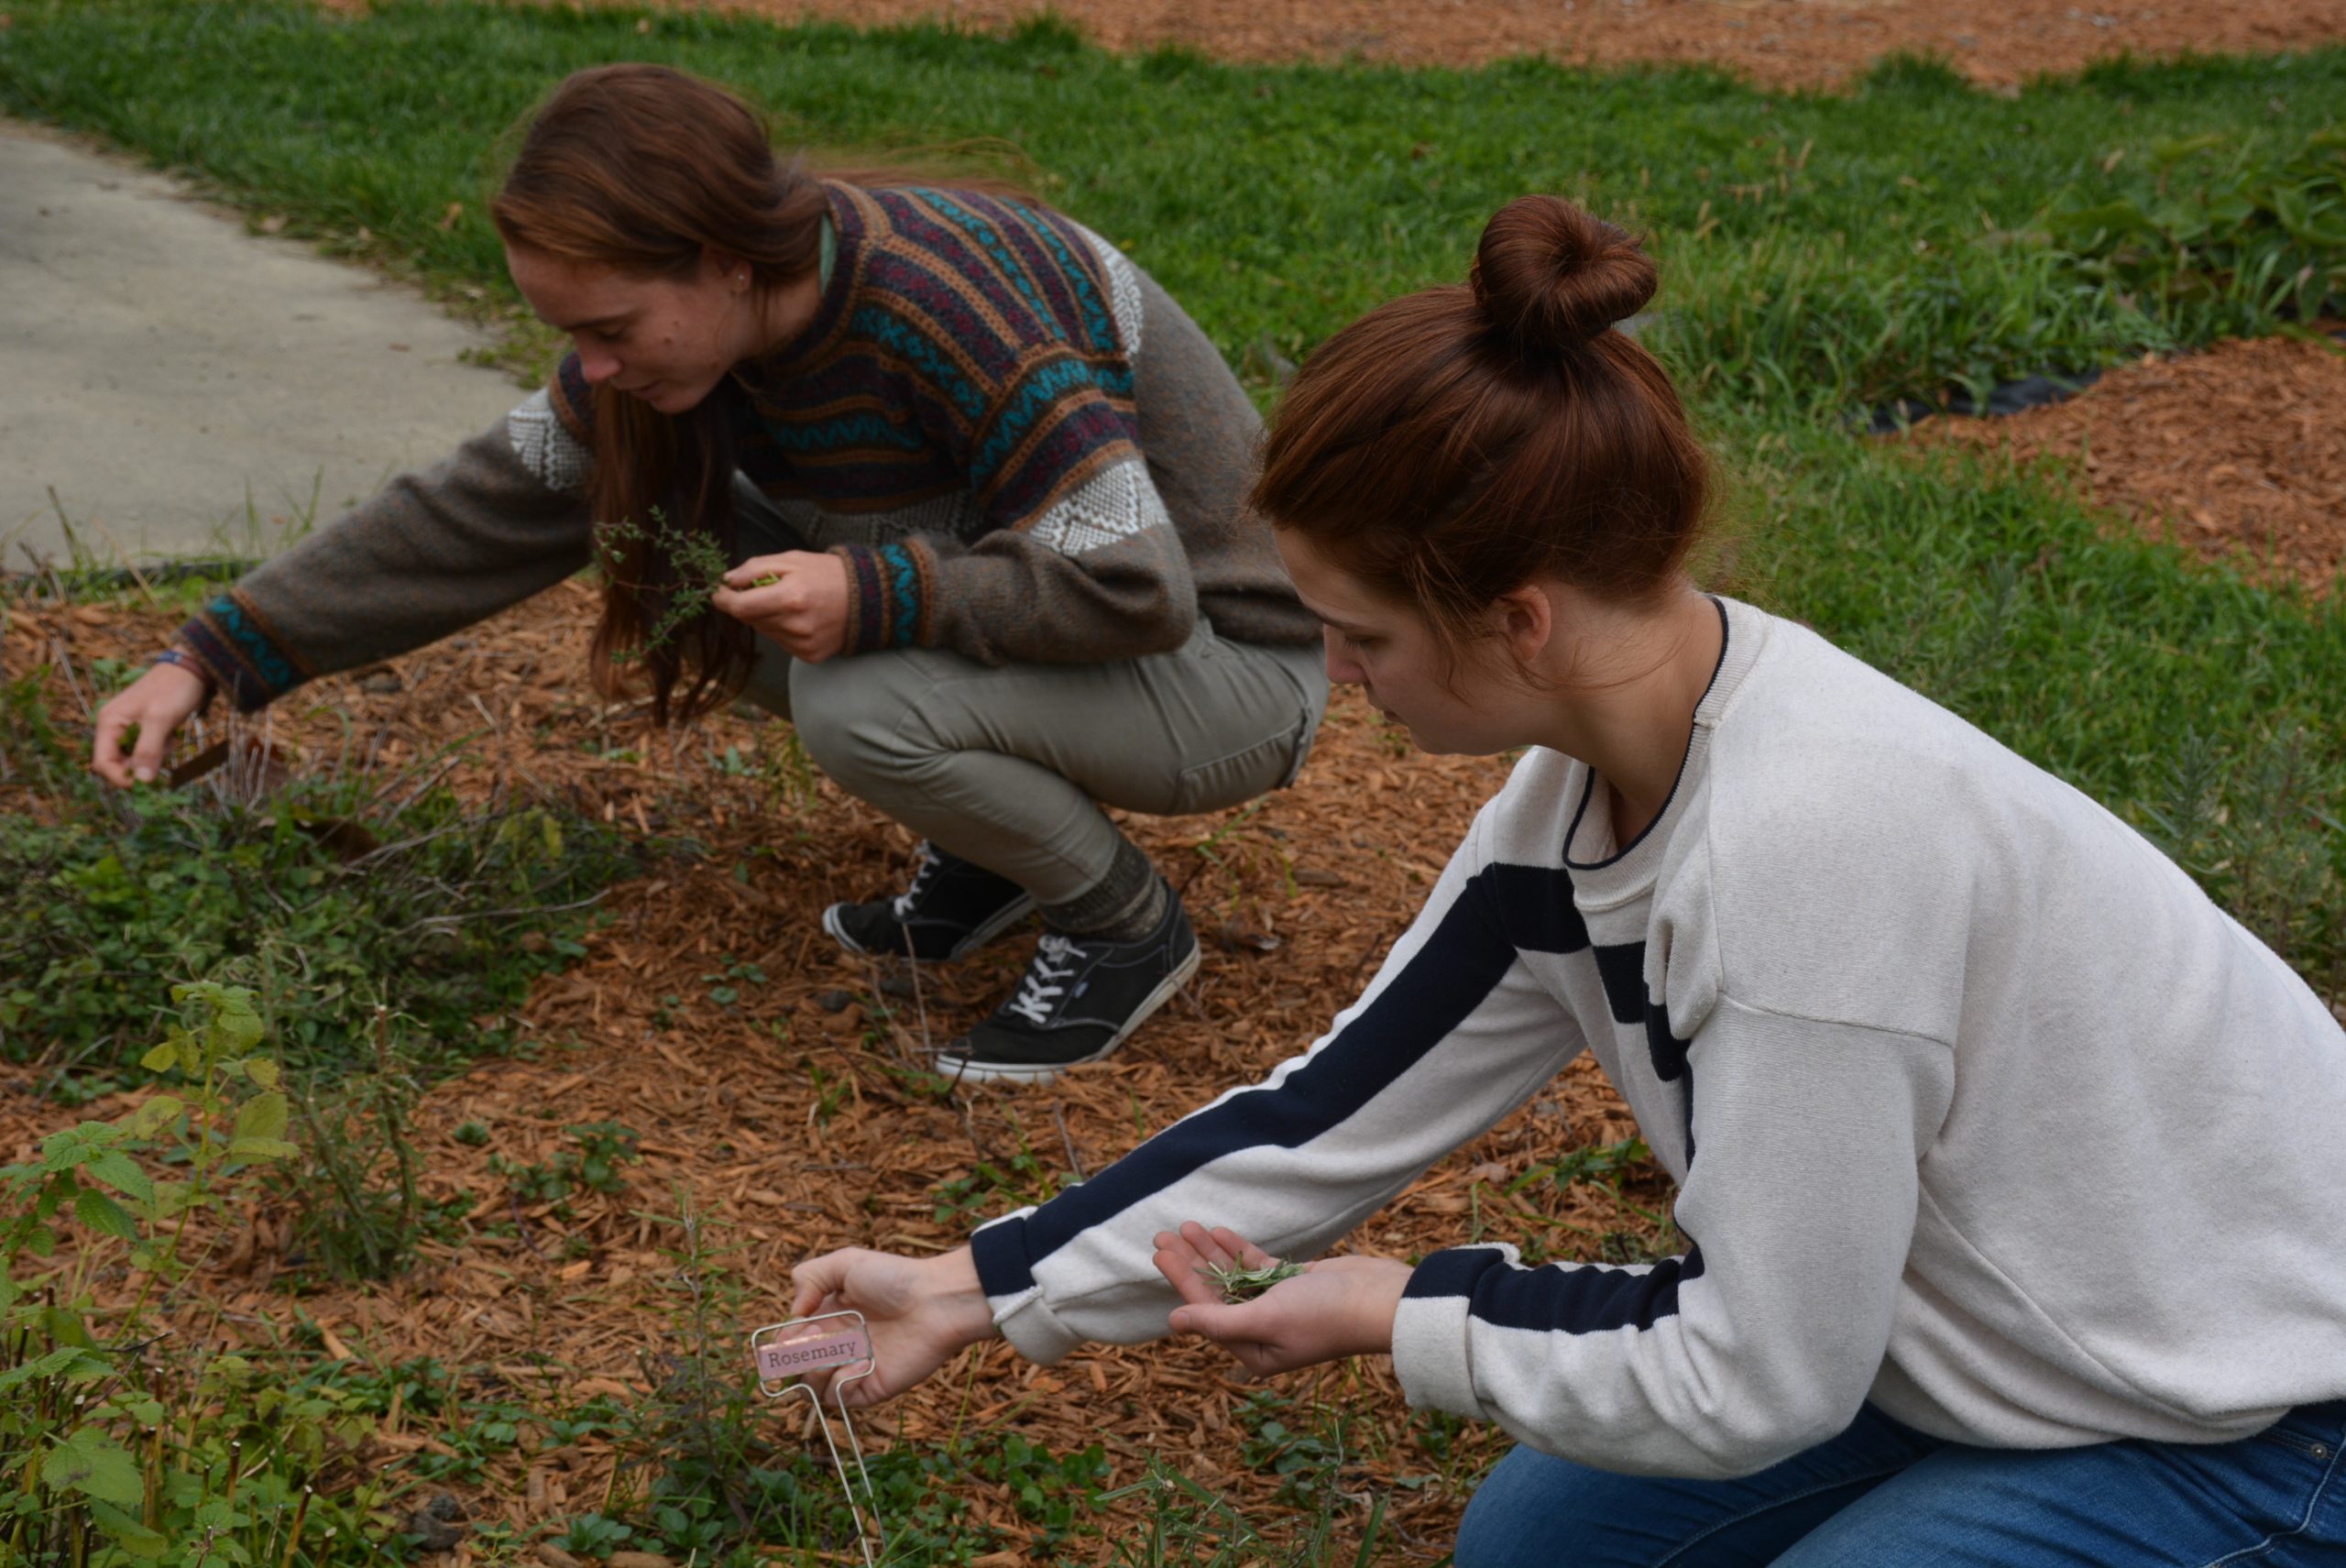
<point>1124,906</point>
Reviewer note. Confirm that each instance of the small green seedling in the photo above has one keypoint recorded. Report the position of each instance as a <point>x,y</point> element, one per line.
<point>1240,1284</point>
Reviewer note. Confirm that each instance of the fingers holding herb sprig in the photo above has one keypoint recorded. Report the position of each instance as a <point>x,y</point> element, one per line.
<point>1274,1316</point>
<point>797,598</point>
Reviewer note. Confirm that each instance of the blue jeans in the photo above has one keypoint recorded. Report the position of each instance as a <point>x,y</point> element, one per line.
<point>1884,1496</point>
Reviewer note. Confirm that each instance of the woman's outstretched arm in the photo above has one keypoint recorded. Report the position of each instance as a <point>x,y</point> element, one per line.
<point>501,517</point>
<point>433,551</point>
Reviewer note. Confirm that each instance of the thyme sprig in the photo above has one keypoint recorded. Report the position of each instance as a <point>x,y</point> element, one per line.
<point>697,560</point>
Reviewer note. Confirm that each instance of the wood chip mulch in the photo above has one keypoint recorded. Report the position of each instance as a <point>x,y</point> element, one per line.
<point>786,1116</point>
<point>1776,43</point>
<point>2235,453</point>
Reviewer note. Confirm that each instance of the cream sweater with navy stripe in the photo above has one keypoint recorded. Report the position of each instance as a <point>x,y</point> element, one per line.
<point>1979,1109</point>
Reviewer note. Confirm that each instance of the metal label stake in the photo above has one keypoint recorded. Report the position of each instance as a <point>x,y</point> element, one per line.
<point>832,1342</point>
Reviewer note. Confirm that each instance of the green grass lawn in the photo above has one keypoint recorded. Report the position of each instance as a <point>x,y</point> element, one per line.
<point>1820,254</point>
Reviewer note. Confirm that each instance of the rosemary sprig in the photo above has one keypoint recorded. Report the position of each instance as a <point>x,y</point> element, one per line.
<point>1239,1283</point>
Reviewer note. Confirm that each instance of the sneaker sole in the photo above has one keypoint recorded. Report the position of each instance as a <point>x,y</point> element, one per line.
<point>963,1070</point>
<point>1007,916</point>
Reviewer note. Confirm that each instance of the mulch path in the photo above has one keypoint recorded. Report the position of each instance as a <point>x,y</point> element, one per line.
<point>1778,43</point>
<point>782,1115</point>
<point>2234,453</point>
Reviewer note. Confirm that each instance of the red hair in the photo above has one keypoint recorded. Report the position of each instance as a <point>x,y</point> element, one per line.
<point>646,169</point>
<point>1455,444</point>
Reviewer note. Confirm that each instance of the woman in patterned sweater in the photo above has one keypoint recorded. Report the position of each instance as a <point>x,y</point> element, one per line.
<point>981,485</point>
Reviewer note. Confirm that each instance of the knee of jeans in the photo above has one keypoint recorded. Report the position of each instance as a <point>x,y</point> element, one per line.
<point>855,728</point>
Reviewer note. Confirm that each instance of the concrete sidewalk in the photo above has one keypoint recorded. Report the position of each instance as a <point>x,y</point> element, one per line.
<point>159,365</point>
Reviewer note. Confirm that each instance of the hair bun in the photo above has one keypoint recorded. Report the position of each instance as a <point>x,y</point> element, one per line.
<point>1552,276</point>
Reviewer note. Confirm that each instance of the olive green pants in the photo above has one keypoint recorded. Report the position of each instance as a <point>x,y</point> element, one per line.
<point>1009,765</point>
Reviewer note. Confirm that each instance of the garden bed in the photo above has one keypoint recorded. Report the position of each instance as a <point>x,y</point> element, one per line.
<point>2232,453</point>
<point>1779,43</point>
<point>774,1082</point>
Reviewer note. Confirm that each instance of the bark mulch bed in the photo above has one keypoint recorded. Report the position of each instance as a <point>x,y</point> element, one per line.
<point>2234,453</point>
<point>1778,43</point>
<point>789,1116</point>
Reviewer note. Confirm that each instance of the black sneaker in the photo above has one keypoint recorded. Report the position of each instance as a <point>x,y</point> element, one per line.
<point>951,910</point>
<point>1080,998</point>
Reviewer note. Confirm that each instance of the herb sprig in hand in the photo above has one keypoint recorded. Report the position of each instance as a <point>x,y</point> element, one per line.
<point>1238,1283</point>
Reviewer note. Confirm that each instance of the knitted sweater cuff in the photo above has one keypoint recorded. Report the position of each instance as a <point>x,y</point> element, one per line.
<point>237,651</point>
<point>891,593</point>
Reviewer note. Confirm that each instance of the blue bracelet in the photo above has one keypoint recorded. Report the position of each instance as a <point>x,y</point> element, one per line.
<point>192,665</point>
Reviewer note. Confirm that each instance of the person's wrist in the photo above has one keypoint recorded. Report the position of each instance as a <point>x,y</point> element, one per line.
<point>177,659</point>
<point>959,1299</point>
<point>1382,1305</point>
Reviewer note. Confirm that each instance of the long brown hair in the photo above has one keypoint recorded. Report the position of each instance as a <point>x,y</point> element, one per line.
<point>646,169</point>
<point>1452,444</point>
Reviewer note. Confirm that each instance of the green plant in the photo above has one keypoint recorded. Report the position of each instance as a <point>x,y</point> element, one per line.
<point>592,1165</point>
<point>344,891</point>
<point>603,1148</point>
<point>2233,236</point>
<point>1188,1526</point>
<point>699,1433</point>
<point>592,1535</point>
<point>113,1445</point>
<point>682,567</point>
<point>1608,1163</point>
<point>963,1200</point>
<point>1305,1462</point>
<point>1239,1283</point>
<point>359,1210</point>
<point>725,985</point>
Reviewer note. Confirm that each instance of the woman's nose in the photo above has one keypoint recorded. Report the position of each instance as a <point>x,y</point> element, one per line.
<point>596,367</point>
<point>1342,670</point>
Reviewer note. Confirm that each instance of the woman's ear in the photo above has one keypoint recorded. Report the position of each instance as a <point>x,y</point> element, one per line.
<point>1525,619</point>
<point>725,268</point>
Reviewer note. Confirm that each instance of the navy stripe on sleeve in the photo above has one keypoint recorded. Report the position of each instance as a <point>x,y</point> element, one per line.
<point>1535,905</point>
<point>1623,970</point>
<point>1574,1298</point>
<point>1001,1259</point>
<point>1464,958</point>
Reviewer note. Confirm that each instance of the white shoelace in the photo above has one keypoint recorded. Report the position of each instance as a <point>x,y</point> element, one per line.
<point>1033,1002</point>
<point>931,863</point>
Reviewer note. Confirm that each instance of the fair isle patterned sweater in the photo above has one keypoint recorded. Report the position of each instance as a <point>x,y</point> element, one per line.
<point>1979,1109</point>
<point>1018,444</point>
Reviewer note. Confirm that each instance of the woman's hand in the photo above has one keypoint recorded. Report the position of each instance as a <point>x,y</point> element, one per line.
<point>158,702</point>
<point>920,1312</point>
<point>798,598</point>
<point>1336,1307</point>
